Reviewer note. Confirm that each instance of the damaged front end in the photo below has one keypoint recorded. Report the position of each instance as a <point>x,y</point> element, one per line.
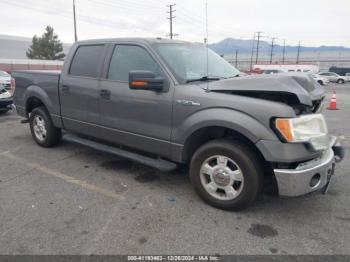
<point>304,134</point>
<point>299,91</point>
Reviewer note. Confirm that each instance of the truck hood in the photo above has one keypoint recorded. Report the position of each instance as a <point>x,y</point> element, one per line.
<point>300,88</point>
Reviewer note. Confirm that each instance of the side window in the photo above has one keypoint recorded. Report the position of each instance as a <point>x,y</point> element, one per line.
<point>126,58</point>
<point>85,61</point>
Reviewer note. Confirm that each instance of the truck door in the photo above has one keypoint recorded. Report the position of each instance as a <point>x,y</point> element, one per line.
<point>79,89</point>
<point>139,119</point>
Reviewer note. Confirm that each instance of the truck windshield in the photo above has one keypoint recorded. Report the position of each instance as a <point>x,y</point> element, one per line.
<point>188,62</point>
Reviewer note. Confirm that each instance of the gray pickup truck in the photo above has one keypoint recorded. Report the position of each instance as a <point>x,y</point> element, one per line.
<point>164,103</point>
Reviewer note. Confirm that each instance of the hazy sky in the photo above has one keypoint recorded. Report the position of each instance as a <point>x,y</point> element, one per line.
<point>313,22</point>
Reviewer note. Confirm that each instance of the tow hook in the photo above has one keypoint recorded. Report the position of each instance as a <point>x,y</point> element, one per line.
<point>329,177</point>
<point>339,152</point>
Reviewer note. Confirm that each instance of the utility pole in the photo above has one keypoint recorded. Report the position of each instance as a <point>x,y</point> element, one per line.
<point>171,17</point>
<point>284,51</point>
<point>298,53</point>
<point>257,46</point>
<point>236,59</point>
<point>272,45</point>
<point>75,23</point>
<point>252,54</point>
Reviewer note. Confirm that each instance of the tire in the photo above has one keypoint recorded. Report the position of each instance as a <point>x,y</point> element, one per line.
<point>4,111</point>
<point>240,159</point>
<point>43,131</point>
<point>340,81</point>
<point>320,82</point>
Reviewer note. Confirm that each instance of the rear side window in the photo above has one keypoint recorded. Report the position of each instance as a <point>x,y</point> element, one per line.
<point>127,58</point>
<point>86,60</point>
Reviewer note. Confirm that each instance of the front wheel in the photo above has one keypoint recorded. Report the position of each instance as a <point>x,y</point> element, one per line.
<point>226,174</point>
<point>320,82</point>
<point>43,131</point>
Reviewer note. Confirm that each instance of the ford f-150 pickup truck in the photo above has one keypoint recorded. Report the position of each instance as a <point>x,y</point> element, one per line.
<point>165,102</point>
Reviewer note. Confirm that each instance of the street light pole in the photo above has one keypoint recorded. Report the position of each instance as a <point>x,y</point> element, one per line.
<point>75,23</point>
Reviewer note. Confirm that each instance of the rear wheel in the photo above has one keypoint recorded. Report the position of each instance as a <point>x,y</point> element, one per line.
<point>4,111</point>
<point>43,131</point>
<point>226,174</point>
<point>340,81</point>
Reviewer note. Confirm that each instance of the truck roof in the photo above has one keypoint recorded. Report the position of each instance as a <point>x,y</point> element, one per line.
<point>135,39</point>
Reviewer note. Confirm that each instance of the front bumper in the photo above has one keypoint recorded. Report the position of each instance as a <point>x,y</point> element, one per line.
<point>312,175</point>
<point>5,103</point>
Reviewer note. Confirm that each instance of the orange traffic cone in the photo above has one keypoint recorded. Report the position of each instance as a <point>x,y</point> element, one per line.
<point>333,103</point>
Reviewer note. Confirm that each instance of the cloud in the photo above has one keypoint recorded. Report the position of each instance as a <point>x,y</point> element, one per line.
<point>313,23</point>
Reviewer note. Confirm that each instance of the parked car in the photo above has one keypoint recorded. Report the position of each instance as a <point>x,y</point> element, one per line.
<point>340,70</point>
<point>333,77</point>
<point>272,71</point>
<point>5,79</point>
<point>320,79</point>
<point>347,75</point>
<point>158,100</point>
<point>5,100</point>
<point>288,67</point>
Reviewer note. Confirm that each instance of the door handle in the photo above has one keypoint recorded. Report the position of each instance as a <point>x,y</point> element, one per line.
<point>105,94</point>
<point>65,88</point>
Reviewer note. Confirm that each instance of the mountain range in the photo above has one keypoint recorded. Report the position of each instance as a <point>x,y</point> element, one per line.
<point>230,45</point>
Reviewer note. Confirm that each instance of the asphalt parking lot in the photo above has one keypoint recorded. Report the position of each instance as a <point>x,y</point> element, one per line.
<point>74,200</point>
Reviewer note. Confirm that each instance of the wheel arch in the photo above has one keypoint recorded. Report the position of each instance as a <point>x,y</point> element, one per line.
<point>205,134</point>
<point>35,96</point>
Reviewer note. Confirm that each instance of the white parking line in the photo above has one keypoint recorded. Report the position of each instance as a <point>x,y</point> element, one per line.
<point>66,178</point>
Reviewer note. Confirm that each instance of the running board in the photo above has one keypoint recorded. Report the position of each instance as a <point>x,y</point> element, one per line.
<point>160,164</point>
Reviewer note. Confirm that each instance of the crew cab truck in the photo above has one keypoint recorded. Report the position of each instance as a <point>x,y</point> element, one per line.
<point>166,102</point>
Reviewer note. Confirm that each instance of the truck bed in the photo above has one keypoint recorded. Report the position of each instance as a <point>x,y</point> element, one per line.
<point>37,84</point>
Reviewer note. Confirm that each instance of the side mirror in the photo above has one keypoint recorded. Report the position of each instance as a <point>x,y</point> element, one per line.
<point>145,80</point>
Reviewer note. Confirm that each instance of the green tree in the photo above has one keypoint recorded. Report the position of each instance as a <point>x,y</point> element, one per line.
<point>46,47</point>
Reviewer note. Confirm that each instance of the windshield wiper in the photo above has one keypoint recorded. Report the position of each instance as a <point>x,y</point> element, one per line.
<point>204,78</point>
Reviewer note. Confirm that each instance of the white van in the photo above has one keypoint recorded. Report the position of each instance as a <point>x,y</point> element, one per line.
<point>305,68</point>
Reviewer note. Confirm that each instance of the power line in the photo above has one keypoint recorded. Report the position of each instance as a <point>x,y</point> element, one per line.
<point>284,51</point>
<point>236,58</point>
<point>252,53</point>
<point>257,46</point>
<point>171,17</point>
<point>298,53</point>
<point>272,46</point>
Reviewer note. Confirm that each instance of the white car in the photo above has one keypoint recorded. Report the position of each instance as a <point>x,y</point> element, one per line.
<point>347,75</point>
<point>5,100</point>
<point>333,77</point>
<point>272,71</point>
<point>5,79</point>
<point>319,79</point>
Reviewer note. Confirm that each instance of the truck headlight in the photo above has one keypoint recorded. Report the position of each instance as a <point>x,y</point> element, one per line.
<point>307,128</point>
